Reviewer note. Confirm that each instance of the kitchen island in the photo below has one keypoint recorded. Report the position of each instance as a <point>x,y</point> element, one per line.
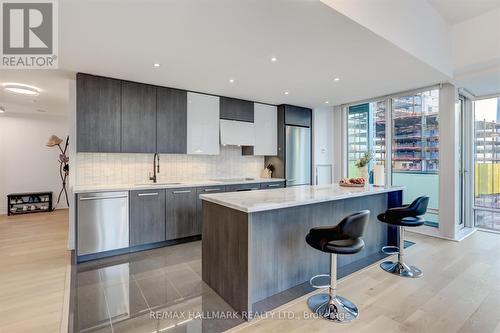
<point>254,254</point>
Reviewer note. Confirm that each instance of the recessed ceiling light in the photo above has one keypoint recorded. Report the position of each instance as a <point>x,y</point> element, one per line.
<point>231,80</point>
<point>274,59</point>
<point>2,109</point>
<point>20,88</point>
<point>156,65</point>
<point>336,79</point>
<point>326,102</point>
<point>286,92</point>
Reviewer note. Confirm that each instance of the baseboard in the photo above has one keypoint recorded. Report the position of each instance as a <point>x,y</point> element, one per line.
<point>434,232</point>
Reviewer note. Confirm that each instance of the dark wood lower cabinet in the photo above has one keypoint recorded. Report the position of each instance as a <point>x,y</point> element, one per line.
<point>181,213</point>
<point>147,217</point>
<point>159,217</point>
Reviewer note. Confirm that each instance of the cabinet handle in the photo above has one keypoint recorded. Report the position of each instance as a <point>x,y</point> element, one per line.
<point>147,194</point>
<point>181,192</point>
<point>211,189</point>
<point>100,198</point>
<point>248,189</point>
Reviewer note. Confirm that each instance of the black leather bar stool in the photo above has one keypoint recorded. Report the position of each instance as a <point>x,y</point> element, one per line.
<point>405,216</point>
<point>344,238</point>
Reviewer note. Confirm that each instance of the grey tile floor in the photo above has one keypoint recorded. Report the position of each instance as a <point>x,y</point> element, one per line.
<point>119,294</point>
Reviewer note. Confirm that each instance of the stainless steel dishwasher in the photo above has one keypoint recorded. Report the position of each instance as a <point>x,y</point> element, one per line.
<point>102,222</point>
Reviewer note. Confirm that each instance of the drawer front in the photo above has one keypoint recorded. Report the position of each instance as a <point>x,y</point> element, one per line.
<point>210,190</point>
<point>242,187</point>
<point>272,185</point>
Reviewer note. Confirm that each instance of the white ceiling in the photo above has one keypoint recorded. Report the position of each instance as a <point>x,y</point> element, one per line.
<point>53,98</point>
<point>202,44</point>
<point>455,11</point>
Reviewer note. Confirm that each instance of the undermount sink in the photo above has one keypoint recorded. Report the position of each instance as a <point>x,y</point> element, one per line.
<point>233,180</point>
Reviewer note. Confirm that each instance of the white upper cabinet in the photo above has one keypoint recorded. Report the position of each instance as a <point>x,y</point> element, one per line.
<point>233,132</point>
<point>266,130</point>
<point>202,124</point>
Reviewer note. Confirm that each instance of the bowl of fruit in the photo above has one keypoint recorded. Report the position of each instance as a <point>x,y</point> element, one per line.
<point>352,182</point>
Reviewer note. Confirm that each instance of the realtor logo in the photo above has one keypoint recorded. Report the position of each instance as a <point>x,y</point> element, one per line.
<point>29,34</point>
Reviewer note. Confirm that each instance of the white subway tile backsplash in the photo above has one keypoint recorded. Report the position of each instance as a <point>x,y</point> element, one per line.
<point>115,169</point>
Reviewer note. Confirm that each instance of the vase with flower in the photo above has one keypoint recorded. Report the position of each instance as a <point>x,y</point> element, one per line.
<point>362,164</point>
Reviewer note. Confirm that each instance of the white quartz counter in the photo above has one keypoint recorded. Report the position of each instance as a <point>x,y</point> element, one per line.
<point>196,183</point>
<point>257,201</point>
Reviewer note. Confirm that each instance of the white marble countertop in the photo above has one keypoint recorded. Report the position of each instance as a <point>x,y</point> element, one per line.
<point>257,201</point>
<point>160,185</point>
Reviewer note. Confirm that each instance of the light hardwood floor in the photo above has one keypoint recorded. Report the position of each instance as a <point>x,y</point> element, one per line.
<point>459,292</point>
<point>33,266</point>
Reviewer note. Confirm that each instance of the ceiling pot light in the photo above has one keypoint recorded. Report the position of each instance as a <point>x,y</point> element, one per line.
<point>20,88</point>
<point>274,59</point>
<point>231,80</point>
<point>336,79</point>
<point>286,92</point>
<point>326,102</point>
<point>156,65</point>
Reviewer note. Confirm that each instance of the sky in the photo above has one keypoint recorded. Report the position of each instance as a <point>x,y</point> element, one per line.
<point>487,109</point>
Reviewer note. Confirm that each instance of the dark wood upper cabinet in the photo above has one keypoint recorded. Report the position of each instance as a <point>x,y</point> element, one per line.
<point>297,116</point>
<point>147,216</point>
<point>171,123</point>
<point>138,118</point>
<point>98,114</point>
<point>236,109</point>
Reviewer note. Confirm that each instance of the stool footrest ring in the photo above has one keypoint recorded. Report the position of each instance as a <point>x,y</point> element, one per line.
<point>390,249</point>
<point>320,286</point>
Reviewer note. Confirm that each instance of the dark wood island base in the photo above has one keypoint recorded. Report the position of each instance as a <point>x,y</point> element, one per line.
<point>247,258</point>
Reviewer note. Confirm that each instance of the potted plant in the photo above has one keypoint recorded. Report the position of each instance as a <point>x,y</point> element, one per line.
<point>362,164</point>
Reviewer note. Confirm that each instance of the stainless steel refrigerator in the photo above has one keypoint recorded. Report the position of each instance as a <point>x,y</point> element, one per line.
<point>298,155</point>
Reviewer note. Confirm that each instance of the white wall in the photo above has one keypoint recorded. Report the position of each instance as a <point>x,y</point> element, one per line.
<point>476,42</point>
<point>323,145</point>
<point>26,164</point>
<point>449,186</point>
<point>476,53</point>
<point>338,143</point>
<point>412,25</point>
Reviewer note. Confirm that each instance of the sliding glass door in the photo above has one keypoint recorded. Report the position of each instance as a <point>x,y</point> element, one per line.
<point>487,163</point>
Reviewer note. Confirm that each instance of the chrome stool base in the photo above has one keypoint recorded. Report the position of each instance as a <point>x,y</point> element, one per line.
<point>401,269</point>
<point>336,309</point>
<point>390,250</point>
<point>319,277</point>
